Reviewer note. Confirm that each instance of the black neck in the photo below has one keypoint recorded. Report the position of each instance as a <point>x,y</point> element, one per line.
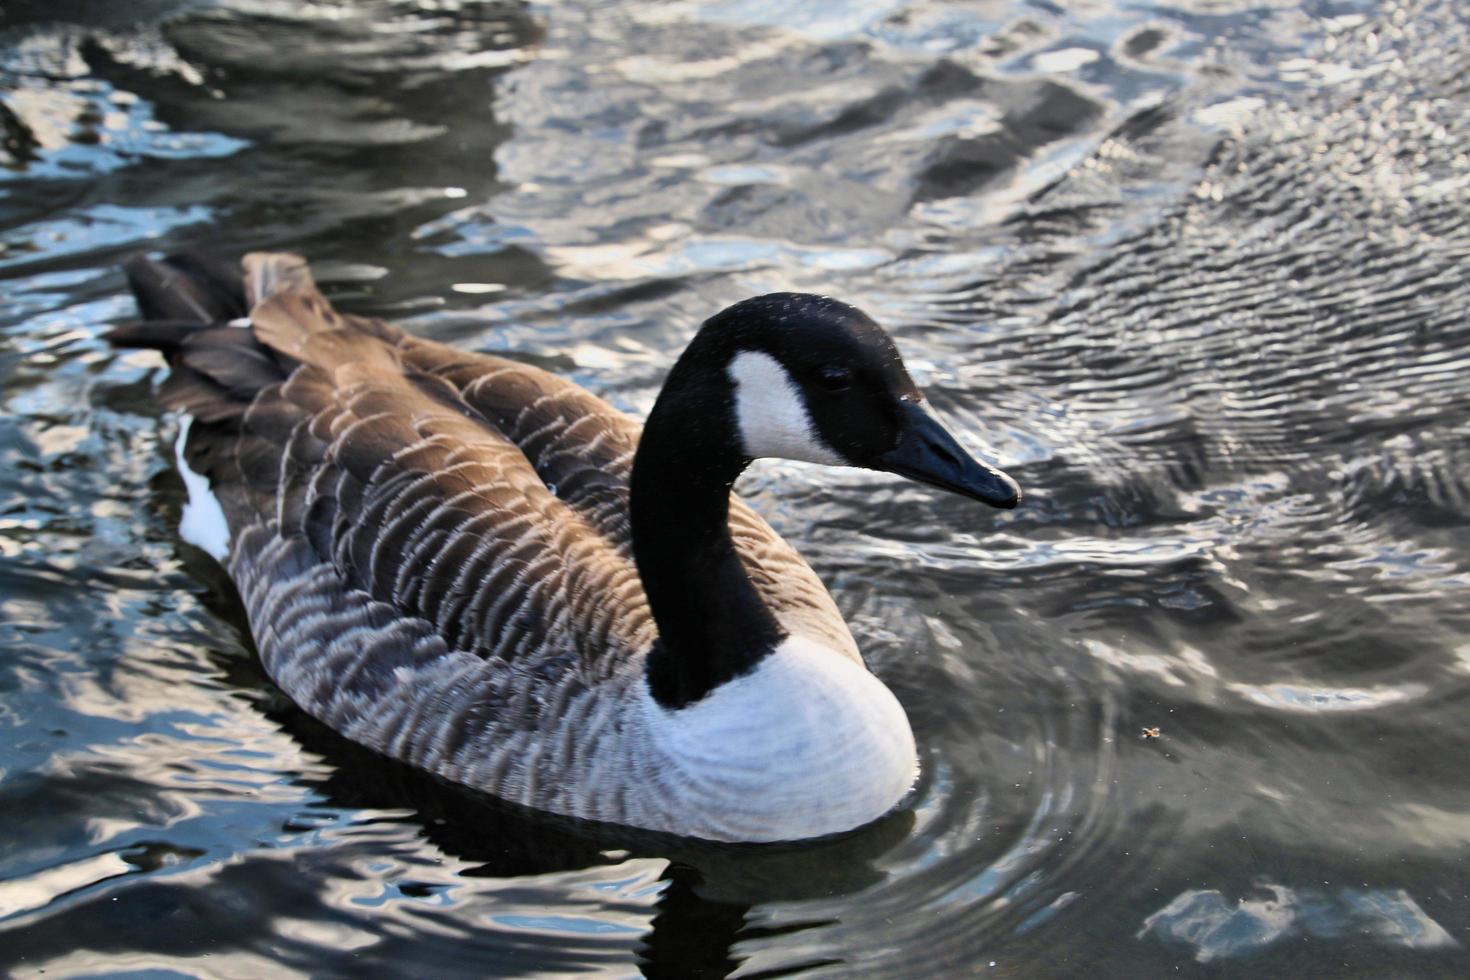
<point>712,624</point>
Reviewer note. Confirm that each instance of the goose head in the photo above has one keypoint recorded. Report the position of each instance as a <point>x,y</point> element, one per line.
<point>811,378</point>
<point>789,375</point>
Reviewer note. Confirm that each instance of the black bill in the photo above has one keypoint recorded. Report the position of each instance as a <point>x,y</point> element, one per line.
<point>929,454</point>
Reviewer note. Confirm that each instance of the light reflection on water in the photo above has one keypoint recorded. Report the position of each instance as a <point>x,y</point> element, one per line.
<point>1196,274</point>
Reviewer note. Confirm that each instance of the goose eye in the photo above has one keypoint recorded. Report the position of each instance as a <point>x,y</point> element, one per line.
<point>834,378</point>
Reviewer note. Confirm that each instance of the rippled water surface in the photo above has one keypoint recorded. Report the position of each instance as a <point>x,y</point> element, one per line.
<point>1197,274</point>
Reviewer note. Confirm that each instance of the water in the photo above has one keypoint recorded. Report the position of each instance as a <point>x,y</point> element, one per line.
<point>1196,274</point>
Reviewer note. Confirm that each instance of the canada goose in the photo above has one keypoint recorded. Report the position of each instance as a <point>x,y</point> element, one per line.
<point>474,566</point>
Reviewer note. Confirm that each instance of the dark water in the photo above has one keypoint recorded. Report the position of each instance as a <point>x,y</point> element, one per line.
<point>1196,274</point>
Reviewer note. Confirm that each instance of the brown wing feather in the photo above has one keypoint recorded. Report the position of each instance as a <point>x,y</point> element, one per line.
<point>584,447</point>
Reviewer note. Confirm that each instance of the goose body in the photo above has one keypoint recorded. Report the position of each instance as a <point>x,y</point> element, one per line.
<point>481,569</point>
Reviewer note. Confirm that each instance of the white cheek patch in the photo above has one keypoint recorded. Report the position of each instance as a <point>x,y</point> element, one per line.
<point>771,414</point>
<point>203,522</point>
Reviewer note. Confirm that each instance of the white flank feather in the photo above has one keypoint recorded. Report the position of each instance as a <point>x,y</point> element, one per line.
<point>203,521</point>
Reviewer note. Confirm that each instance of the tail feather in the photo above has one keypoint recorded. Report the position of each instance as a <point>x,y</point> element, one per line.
<point>196,395</point>
<point>230,379</point>
<point>186,288</point>
<point>178,297</point>
<point>219,370</point>
<point>167,336</point>
<point>234,360</point>
<point>186,300</point>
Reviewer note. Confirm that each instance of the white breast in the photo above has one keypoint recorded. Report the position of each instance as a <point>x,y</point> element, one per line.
<point>809,743</point>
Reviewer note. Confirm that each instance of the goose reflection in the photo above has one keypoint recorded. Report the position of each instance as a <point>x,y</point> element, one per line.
<point>707,891</point>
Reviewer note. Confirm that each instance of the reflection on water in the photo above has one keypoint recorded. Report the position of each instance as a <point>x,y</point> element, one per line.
<point>1215,928</point>
<point>1196,273</point>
